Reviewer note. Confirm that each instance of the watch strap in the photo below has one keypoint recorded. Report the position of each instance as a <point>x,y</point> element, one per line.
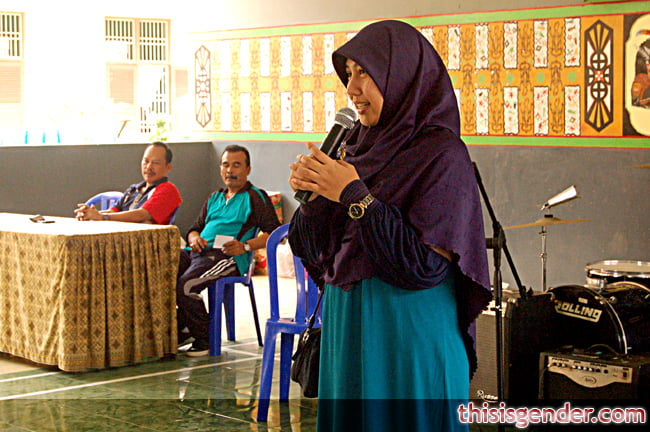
<point>354,192</point>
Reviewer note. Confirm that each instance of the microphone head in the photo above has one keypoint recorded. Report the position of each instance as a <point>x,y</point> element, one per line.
<point>568,194</point>
<point>346,117</point>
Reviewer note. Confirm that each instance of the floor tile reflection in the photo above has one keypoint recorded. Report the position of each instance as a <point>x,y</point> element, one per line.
<point>175,394</point>
<point>180,394</point>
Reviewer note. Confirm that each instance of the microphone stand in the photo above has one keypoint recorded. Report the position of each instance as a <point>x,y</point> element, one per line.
<point>498,244</point>
<point>498,241</point>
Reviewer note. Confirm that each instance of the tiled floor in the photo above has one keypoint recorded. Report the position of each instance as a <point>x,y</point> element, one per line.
<point>179,394</point>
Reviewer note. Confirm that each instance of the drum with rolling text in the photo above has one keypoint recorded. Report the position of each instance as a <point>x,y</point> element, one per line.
<point>614,318</point>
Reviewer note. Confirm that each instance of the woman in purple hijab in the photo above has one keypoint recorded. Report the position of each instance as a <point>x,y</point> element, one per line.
<point>394,235</point>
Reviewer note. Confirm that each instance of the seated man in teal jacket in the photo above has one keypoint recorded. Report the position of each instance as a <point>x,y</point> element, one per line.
<point>235,213</point>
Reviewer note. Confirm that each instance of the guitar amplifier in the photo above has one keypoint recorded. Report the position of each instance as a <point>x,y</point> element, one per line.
<point>576,375</point>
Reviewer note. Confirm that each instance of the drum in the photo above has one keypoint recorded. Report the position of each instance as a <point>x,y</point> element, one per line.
<point>615,317</point>
<point>601,273</point>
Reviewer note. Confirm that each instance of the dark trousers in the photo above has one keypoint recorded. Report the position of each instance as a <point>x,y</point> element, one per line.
<point>191,312</point>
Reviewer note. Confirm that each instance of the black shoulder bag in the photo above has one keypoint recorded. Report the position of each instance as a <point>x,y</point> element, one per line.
<point>304,369</point>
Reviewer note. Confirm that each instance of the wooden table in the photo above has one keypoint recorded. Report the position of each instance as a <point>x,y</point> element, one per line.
<point>87,295</point>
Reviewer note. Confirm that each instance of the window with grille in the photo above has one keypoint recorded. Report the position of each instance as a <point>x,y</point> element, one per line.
<point>11,59</point>
<point>138,69</point>
<point>11,36</point>
<point>120,39</point>
<point>153,41</point>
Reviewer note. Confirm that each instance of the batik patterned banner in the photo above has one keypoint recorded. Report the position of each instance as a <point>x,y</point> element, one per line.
<point>202,92</point>
<point>510,110</point>
<point>537,76</point>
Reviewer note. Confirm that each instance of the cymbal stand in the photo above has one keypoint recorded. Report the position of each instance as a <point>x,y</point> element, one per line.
<point>543,255</point>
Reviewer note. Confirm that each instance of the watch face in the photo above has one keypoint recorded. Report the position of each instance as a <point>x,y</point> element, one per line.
<point>356,211</point>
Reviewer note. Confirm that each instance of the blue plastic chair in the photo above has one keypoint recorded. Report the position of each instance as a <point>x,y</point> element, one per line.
<point>172,221</point>
<point>306,300</point>
<point>105,200</point>
<point>222,292</point>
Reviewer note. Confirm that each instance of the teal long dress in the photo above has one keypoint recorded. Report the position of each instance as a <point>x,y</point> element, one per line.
<point>391,359</point>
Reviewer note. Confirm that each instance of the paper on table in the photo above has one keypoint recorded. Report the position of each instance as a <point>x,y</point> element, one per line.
<point>219,240</point>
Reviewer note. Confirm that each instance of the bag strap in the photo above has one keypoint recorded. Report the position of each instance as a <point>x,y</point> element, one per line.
<point>312,318</point>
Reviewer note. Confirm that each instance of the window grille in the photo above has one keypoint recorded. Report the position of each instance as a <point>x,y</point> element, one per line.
<point>144,44</point>
<point>153,41</point>
<point>119,39</point>
<point>154,97</point>
<point>11,35</point>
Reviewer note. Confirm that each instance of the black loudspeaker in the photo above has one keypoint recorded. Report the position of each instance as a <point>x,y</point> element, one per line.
<point>529,328</point>
<point>577,375</point>
<point>484,381</point>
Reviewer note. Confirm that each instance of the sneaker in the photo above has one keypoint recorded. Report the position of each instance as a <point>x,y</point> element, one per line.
<point>198,349</point>
<point>184,339</point>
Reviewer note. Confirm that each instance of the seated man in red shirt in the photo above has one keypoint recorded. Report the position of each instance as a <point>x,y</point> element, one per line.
<point>152,201</point>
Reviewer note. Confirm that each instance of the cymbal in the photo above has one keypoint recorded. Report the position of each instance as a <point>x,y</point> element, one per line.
<point>641,166</point>
<point>546,221</point>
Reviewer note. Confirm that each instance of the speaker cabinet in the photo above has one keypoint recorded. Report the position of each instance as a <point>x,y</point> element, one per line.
<point>529,328</point>
<point>484,383</point>
<point>573,374</point>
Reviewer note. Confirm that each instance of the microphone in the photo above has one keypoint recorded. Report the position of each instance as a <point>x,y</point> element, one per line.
<point>343,121</point>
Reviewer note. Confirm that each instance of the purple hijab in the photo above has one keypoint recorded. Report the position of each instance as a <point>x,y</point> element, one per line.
<point>414,158</point>
<point>415,85</point>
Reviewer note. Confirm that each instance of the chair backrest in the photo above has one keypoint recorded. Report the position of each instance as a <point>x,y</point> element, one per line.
<point>105,200</point>
<point>172,220</point>
<point>306,290</point>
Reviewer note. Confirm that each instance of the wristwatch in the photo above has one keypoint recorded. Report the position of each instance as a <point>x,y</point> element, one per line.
<point>247,247</point>
<point>357,210</point>
<point>105,216</point>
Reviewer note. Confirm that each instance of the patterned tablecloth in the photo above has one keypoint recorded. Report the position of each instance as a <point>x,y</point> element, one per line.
<point>87,295</point>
